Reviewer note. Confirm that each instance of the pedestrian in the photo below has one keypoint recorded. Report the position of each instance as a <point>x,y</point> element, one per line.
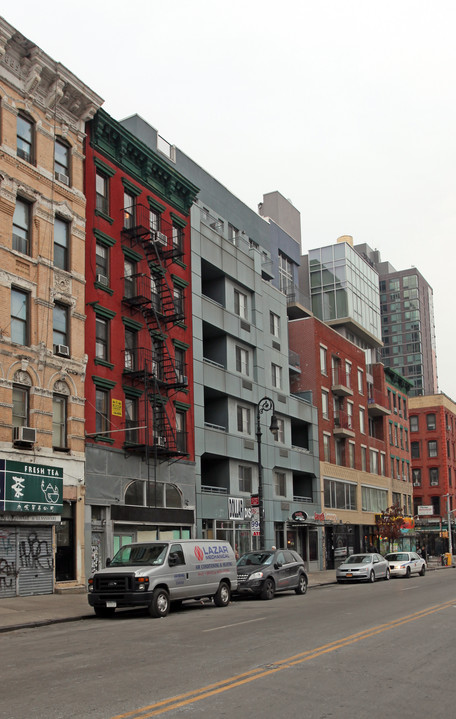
<point>423,552</point>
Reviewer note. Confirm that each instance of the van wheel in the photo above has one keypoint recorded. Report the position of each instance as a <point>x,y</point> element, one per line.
<point>222,595</point>
<point>104,612</point>
<point>159,606</point>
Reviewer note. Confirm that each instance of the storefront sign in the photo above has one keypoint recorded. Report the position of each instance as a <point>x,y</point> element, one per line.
<point>235,508</point>
<point>255,523</point>
<point>299,516</point>
<point>425,509</point>
<point>28,487</point>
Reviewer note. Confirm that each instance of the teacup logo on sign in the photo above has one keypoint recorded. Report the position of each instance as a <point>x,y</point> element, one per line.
<point>199,554</point>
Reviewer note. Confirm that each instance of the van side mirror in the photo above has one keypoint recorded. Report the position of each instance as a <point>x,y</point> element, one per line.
<point>108,562</point>
<point>172,561</point>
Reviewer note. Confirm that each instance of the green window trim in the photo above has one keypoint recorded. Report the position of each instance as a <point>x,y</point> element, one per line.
<point>132,324</point>
<point>157,335</point>
<point>130,187</point>
<point>179,262</point>
<point>104,312</point>
<point>179,281</point>
<point>158,400</point>
<point>103,363</point>
<point>131,254</point>
<point>103,238</point>
<point>178,220</point>
<point>182,406</point>
<point>180,345</point>
<point>103,383</point>
<point>102,438</point>
<point>104,216</point>
<point>132,392</point>
<point>103,167</point>
<point>99,286</point>
<point>155,205</point>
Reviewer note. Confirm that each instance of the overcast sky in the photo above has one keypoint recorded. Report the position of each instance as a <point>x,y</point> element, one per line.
<point>347,107</point>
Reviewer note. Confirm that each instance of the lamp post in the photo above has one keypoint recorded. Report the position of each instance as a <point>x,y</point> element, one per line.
<point>450,539</point>
<point>264,405</point>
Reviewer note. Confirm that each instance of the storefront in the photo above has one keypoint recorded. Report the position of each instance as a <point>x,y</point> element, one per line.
<point>31,506</point>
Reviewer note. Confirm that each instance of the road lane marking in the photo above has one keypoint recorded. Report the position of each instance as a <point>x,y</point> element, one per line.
<point>230,683</point>
<point>236,624</point>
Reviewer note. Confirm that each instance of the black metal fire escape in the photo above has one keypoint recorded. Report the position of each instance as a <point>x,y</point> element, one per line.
<point>154,367</point>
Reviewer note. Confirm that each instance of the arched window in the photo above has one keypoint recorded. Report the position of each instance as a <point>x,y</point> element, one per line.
<point>159,494</point>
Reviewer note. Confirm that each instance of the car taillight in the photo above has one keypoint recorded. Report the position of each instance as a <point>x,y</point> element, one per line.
<point>90,583</point>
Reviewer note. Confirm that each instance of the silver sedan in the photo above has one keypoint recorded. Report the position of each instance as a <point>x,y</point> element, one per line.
<point>363,567</point>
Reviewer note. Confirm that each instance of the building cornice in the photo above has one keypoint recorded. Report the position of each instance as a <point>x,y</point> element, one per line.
<point>128,152</point>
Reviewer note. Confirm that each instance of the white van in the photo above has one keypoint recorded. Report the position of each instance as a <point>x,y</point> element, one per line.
<point>154,574</point>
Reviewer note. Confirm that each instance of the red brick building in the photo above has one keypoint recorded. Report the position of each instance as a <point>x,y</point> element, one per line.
<point>433,448</point>
<point>364,466</point>
<point>139,385</point>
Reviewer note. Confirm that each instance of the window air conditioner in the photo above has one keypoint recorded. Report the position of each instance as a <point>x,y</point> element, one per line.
<point>26,435</point>
<point>184,379</point>
<point>62,350</point>
<point>161,441</point>
<point>62,178</point>
<point>103,280</point>
<point>161,238</point>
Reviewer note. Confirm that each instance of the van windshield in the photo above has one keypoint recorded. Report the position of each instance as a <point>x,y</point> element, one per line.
<point>134,554</point>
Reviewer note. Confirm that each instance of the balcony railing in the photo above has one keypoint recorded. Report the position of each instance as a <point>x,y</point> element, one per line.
<point>208,489</point>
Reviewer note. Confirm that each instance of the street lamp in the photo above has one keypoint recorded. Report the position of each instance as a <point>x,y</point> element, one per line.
<point>450,539</point>
<point>264,405</point>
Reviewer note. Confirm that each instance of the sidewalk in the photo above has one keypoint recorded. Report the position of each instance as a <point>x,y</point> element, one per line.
<point>37,611</point>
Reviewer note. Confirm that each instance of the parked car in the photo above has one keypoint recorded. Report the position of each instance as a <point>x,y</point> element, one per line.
<point>363,567</point>
<point>266,572</point>
<point>403,564</point>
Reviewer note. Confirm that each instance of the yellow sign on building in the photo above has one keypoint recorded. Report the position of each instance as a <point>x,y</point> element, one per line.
<point>116,407</point>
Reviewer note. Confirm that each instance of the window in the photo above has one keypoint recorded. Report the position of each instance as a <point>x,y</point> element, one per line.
<point>280,435</point>
<point>61,243</point>
<point>157,355</point>
<point>59,421</point>
<point>178,237</point>
<point>179,360</point>
<point>20,406</point>
<point>181,435</point>
<point>102,193</point>
<point>154,220</point>
<point>240,304</point>
<point>374,500</point>
<point>24,138</point>
<point>362,425</point>
<point>243,419</point>
<point>432,448</point>
<point>129,211</point>
<point>21,227</point>
<point>276,372</point>
<point>131,420</point>
<point>245,478</point>
<point>364,459</point>
<point>323,360</point>
<point>242,361</point>
<point>62,162</point>
<point>430,421</point>
<point>415,450</point>
<point>101,408</point>
<point>339,445</point>
<point>413,423</point>
<point>179,302</point>
<point>325,404</point>
<point>350,415</point>
<point>339,495</point>
<point>326,447</point>
<point>434,476</point>
<point>60,325</point>
<point>102,263</point>
<point>373,461</point>
<point>19,317</point>
<point>382,464</point>
<point>280,487</point>
<point>360,381</point>
<point>285,274</point>
<point>351,455</point>
<point>101,338</point>
<point>129,279</point>
<point>130,349</point>
<point>155,295</point>
<point>274,324</point>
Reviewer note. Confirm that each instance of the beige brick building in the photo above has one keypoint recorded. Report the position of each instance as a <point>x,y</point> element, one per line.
<point>44,108</point>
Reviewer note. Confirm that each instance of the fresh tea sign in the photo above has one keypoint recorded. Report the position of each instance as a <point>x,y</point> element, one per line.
<point>28,487</point>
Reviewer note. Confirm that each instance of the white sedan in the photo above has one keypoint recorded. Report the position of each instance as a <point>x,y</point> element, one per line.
<point>404,564</point>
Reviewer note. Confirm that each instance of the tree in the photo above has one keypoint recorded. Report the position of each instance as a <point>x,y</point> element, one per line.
<point>389,523</point>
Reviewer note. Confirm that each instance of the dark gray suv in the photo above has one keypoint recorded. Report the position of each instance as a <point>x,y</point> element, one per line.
<point>263,573</point>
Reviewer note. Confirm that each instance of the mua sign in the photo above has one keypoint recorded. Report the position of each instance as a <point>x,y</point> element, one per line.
<point>236,508</point>
<point>27,487</point>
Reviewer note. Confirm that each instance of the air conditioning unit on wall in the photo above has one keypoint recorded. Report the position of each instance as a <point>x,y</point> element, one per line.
<point>24,435</point>
<point>62,350</point>
<point>102,280</point>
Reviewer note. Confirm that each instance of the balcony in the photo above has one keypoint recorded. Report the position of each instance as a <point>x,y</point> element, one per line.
<point>377,404</point>
<point>341,383</point>
<point>343,426</point>
<point>298,304</point>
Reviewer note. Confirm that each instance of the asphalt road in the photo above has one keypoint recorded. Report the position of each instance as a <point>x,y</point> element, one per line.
<point>338,652</point>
